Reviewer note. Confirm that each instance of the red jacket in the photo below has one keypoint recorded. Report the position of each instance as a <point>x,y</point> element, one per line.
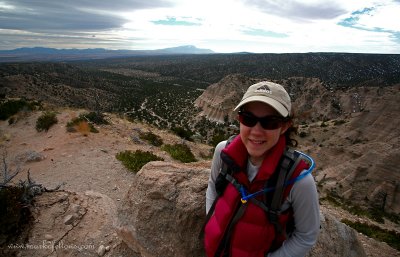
<point>253,235</point>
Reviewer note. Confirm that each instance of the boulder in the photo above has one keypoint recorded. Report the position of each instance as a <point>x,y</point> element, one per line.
<point>164,210</point>
<point>336,239</point>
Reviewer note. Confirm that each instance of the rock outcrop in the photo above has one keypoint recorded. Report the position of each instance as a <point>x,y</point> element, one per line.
<point>219,99</point>
<point>164,210</point>
<point>336,239</point>
<point>358,160</point>
<point>71,224</point>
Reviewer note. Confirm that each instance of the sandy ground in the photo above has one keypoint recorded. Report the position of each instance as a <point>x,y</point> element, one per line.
<point>80,162</point>
<point>93,180</point>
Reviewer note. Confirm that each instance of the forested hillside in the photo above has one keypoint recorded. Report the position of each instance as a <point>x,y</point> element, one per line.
<point>161,90</point>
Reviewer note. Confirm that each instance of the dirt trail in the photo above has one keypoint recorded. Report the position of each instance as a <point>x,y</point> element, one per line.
<point>94,181</point>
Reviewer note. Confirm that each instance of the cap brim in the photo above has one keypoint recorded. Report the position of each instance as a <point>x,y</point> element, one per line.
<point>270,101</point>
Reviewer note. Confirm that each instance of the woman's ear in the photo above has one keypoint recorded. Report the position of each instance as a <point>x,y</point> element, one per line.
<point>286,126</point>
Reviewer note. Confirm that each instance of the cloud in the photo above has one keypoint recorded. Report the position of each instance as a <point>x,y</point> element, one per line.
<point>223,25</point>
<point>172,21</point>
<point>74,15</point>
<point>375,19</point>
<point>264,33</point>
<point>305,11</point>
<point>355,17</point>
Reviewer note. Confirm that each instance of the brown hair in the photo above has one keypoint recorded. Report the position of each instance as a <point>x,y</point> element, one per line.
<point>291,131</point>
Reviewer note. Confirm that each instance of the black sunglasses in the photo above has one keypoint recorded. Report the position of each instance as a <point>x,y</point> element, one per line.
<point>269,122</point>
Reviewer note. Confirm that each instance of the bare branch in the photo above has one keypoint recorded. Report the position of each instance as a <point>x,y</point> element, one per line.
<point>6,172</point>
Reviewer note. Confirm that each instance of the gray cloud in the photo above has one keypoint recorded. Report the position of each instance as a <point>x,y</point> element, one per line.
<point>73,40</point>
<point>73,15</point>
<point>297,10</point>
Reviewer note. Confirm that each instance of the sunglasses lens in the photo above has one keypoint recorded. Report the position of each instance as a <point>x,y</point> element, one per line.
<point>268,123</point>
<point>247,119</point>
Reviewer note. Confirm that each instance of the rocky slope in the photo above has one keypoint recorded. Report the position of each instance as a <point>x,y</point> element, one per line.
<point>220,98</point>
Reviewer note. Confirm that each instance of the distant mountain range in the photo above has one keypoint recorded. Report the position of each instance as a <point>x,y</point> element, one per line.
<point>53,54</point>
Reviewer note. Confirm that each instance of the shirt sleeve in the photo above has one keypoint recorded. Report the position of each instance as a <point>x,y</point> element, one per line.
<point>216,165</point>
<point>304,201</point>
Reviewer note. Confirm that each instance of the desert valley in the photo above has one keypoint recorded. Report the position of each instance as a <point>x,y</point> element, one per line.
<point>347,107</point>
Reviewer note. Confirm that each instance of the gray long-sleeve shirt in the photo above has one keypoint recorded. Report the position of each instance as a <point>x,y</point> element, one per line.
<point>303,198</point>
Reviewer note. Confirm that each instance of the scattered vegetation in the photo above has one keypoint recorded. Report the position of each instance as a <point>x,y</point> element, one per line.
<point>95,117</point>
<point>338,122</point>
<point>134,161</point>
<point>217,138</point>
<point>392,238</point>
<point>151,138</point>
<point>10,107</point>
<point>45,121</point>
<point>371,213</point>
<point>15,202</point>
<point>84,123</point>
<point>302,134</point>
<point>180,152</point>
<point>79,125</point>
<point>183,133</point>
<point>323,124</point>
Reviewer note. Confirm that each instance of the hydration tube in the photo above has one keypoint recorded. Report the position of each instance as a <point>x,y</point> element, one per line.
<point>303,156</point>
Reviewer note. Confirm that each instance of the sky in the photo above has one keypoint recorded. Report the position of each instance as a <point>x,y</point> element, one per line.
<point>224,26</point>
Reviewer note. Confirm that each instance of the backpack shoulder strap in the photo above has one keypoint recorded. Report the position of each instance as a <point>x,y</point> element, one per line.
<point>287,166</point>
<point>221,182</point>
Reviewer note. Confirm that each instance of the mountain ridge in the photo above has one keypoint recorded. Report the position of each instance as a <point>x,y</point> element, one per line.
<point>69,54</point>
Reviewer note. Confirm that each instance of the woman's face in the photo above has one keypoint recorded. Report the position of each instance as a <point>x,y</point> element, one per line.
<point>259,141</point>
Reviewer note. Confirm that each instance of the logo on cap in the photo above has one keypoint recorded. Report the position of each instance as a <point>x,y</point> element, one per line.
<point>263,89</point>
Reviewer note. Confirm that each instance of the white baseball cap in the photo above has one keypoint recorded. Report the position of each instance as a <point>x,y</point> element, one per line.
<point>270,93</point>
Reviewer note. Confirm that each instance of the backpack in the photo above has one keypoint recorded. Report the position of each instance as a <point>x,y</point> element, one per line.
<point>273,189</point>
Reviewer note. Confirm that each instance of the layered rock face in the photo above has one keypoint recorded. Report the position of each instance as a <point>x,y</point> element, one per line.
<point>311,99</point>
<point>360,160</point>
<point>219,99</point>
<point>164,210</point>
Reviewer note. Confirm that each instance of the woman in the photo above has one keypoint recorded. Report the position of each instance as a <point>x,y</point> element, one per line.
<point>241,228</point>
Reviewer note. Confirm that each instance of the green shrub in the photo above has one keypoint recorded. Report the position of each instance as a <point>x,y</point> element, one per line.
<point>13,213</point>
<point>392,238</point>
<point>303,134</point>
<point>45,121</point>
<point>76,124</point>
<point>217,138</point>
<point>371,213</point>
<point>11,107</point>
<point>183,133</point>
<point>86,119</point>
<point>11,120</point>
<point>151,138</point>
<point>323,124</point>
<point>16,219</point>
<point>339,122</point>
<point>134,161</point>
<point>180,152</point>
<point>95,117</point>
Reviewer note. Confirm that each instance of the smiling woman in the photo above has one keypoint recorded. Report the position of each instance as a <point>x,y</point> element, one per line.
<point>261,199</point>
